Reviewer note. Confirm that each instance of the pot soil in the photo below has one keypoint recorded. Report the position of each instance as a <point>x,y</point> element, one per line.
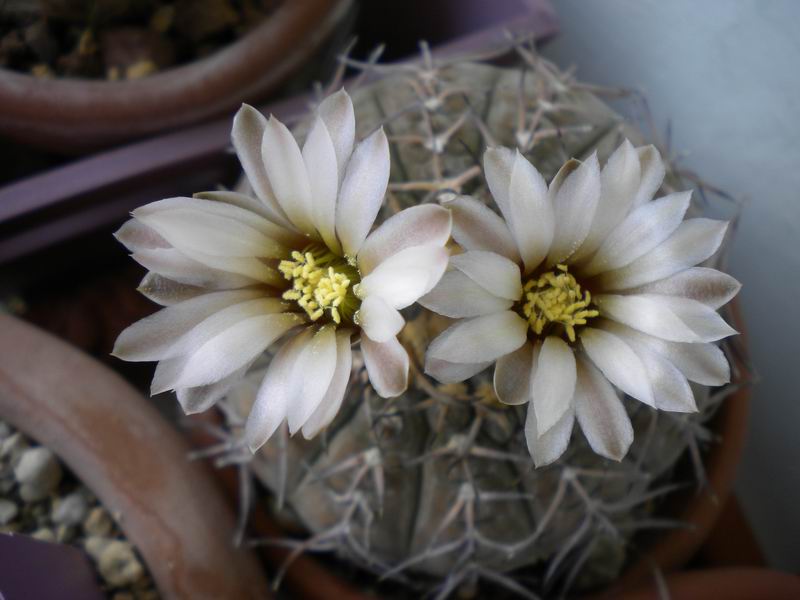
<point>72,115</point>
<point>133,460</point>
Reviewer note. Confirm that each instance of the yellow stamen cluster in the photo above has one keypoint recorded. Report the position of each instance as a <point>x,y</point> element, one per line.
<point>321,283</point>
<point>555,297</point>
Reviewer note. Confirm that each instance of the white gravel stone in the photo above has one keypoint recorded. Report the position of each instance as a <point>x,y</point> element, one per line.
<point>95,544</point>
<point>38,474</point>
<point>97,523</point>
<point>44,534</point>
<point>70,510</point>
<point>12,445</point>
<point>118,564</point>
<point>8,510</point>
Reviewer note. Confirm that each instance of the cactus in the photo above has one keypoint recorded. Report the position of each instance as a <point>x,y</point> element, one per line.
<point>436,489</point>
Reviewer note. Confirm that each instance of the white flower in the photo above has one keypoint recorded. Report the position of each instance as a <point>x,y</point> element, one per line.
<point>582,286</point>
<point>297,262</point>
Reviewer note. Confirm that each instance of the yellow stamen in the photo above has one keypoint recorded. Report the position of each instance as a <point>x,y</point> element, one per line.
<point>556,297</point>
<point>321,283</point>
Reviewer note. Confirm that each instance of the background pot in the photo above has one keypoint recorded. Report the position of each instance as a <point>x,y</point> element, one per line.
<point>131,458</point>
<point>72,115</point>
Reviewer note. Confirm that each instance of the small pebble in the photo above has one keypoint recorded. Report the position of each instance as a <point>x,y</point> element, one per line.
<point>118,564</point>
<point>38,474</point>
<point>44,534</point>
<point>65,534</point>
<point>97,523</point>
<point>5,430</point>
<point>70,510</point>
<point>95,544</point>
<point>8,510</point>
<point>12,446</point>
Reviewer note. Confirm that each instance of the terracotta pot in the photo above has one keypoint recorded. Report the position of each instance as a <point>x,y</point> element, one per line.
<point>730,584</point>
<point>73,115</point>
<point>131,458</point>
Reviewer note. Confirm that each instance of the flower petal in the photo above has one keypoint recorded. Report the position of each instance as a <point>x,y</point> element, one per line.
<point>619,182</point>
<point>496,274</point>
<point>175,265</point>
<point>670,318</point>
<point>199,399</point>
<point>225,353</point>
<point>167,292</point>
<point>151,337</point>
<point>250,267</point>
<point>319,156</point>
<point>387,365</point>
<point>362,191</point>
<point>709,286</point>
<point>694,241</point>
<point>652,174</point>
<point>552,382</point>
<point>403,277</point>
<point>512,376</point>
<point>318,362</point>
<point>601,414</point>
<point>457,296</point>
<point>618,362</point>
<point>640,232</point>
<point>448,372</point>
<point>478,227</point>
<point>702,363</point>
<point>336,111</point>
<point>549,446</point>
<point>135,235</point>
<point>247,135</point>
<point>334,396</point>
<point>379,321</point>
<point>287,174</point>
<point>277,391</point>
<point>480,339</point>
<point>427,224</point>
<point>574,202</point>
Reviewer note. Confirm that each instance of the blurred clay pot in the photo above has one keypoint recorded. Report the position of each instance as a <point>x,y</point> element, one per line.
<point>136,463</point>
<point>77,115</point>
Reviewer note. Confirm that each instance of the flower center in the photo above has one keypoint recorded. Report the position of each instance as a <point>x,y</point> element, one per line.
<point>322,283</point>
<point>556,297</point>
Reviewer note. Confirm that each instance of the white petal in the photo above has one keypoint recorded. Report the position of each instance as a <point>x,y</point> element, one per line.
<point>709,286</point>
<point>362,191</point>
<point>601,414</point>
<point>427,224</point>
<point>574,202</point>
<point>641,231</point>
<point>276,393</point>
<point>670,318</point>
<point>387,366</point>
<point>692,243</point>
<point>167,292</point>
<point>175,265</point>
<point>512,376</point>
<point>402,278</point>
<point>220,321</point>
<point>332,401</point>
<point>671,391</point>
<point>495,273</point>
<point>378,320</point>
<point>318,363</point>
<point>199,399</point>
<point>619,181</point>
<point>319,157</point>
<point>135,235</point>
<point>478,227</point>
<point>337,113</point>
<point>548,447</point>
<point>702,363</point>
<point>287,174</point>
<point>250,267</point>
<point>457,296</point>
<point>552,382</point>
<point>151,337</point>
<point>247,134</point>
<point>480,339</point>
<point>448,372</point>
<point>225,353</point>
<point>652,170</point>
<point>191,230</point>
<point>618,362</point>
